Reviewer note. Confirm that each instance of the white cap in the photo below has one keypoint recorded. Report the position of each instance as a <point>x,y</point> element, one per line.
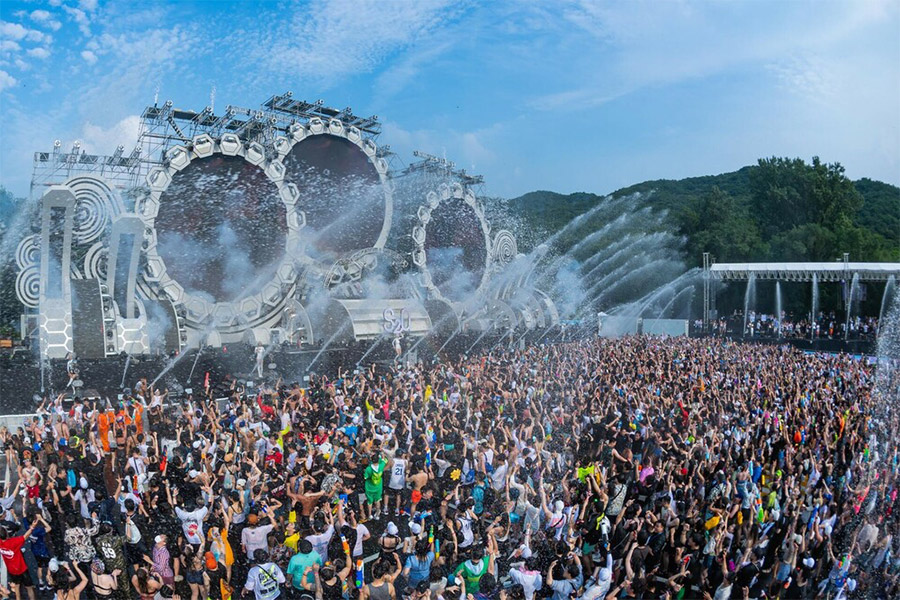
<point>415,528</point>
<point>241,482</point>
<point>54,565</point>
<point>83,482</point>
<point>809,562</point>
<point>196,444</point>
<point>391,528</point>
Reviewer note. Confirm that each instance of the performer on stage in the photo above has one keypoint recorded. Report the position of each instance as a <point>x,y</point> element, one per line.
<point>72,369</point>
<point>398,347</point>
<point>260,353</point>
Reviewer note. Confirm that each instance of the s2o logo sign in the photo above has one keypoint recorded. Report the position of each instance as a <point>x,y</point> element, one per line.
<point>395,322</point>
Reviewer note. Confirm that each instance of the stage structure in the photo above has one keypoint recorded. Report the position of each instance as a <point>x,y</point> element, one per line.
<point>841,271</point>
<point>286,224</point>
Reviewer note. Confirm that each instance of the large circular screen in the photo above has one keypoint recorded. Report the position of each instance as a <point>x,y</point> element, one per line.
<point>341,195</point>
<point>221,228</point>
<point>455,249</point>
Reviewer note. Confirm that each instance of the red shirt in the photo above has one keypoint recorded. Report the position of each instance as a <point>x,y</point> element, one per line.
<point>11,549</point>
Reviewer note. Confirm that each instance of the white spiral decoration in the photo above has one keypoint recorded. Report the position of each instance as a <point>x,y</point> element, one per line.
<point>95,261</point>
<point>504,248</point>
<point>28,286</point>
<point>96,204</point>
<point>28,251</point>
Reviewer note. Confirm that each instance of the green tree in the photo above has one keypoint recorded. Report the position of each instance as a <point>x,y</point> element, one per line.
<point>788,193</point>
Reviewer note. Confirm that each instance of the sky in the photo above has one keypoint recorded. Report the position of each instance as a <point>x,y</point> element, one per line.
<point>567,95</point>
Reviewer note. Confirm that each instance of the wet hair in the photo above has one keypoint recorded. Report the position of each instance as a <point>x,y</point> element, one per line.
<point>379,570</point>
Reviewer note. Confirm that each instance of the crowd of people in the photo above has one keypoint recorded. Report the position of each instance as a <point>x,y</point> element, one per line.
<point>599,469</point>
<point>827,325</point>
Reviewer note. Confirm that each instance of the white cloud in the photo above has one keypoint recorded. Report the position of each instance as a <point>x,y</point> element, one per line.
<point>17,32</point>
<point>81,19</point>
<point>13,31</point>
<point>89,57</point>
<point>46,19</point>
<point>55,2</point>
<point>629,47</point>
<point>328,40</point>
<point>6,80</point>
<point>9,46</point>
<point>102,140</point>
<point>88,5</point>
<point>39,52</point>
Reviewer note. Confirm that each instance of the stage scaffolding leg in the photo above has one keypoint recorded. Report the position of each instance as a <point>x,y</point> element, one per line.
<point>706,292</point>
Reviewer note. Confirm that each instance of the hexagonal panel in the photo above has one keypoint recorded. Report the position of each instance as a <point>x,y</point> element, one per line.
<point>286,273</point>
<point>271,293</point>
<point>197,308</point>
<point>255,154</point>
<point>289,194</point>
<point>156,268</point>
<point>275,170</point>
<point>335,127</point>
<point>151,206</point>
<point>316,125</point>
<point>282,145</point>
<point>178,157</point>
<point>204,145</point>
<point>297,132</point>
<point>230,144</point>
<point>224,313</point>
<point>158,179</point>
<point>174,291</point>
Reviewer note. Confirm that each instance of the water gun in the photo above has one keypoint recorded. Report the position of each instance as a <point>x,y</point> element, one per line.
<point>359,573</point>
<point>431,535</point>
<point>427,458</point>
<point>437,548</point>
<point>345,545</point>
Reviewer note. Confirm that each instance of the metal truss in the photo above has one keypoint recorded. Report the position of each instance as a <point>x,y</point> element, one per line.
<point>163,127</point>
<point>823,272</point>
<point>441,169</point>
<point>122,170</point>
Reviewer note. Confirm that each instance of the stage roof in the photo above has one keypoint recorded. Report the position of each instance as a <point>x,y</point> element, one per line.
<point>800,271</point>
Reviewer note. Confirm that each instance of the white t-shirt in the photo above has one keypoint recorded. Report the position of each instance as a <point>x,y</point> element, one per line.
<point>361,531</point>
<point>264,580</point>
<point>320,542</point>
<point>398,474</point>
<point>192,524</point>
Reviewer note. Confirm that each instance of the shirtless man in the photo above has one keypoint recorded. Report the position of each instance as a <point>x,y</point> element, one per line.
<point>32,478</point>
<point>417,481</point>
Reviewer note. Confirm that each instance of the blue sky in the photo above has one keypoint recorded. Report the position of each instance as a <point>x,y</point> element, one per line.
<point>561,95</point>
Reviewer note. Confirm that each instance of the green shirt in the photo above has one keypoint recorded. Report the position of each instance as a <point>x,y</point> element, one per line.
<point>375,476</point>
<point>298,564</point>
<point>473,576</point>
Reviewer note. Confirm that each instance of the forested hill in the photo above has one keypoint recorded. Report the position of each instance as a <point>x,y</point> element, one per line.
<point>778,210</point>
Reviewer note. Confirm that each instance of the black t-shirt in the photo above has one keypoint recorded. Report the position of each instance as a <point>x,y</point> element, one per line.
<point>746,574</point>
